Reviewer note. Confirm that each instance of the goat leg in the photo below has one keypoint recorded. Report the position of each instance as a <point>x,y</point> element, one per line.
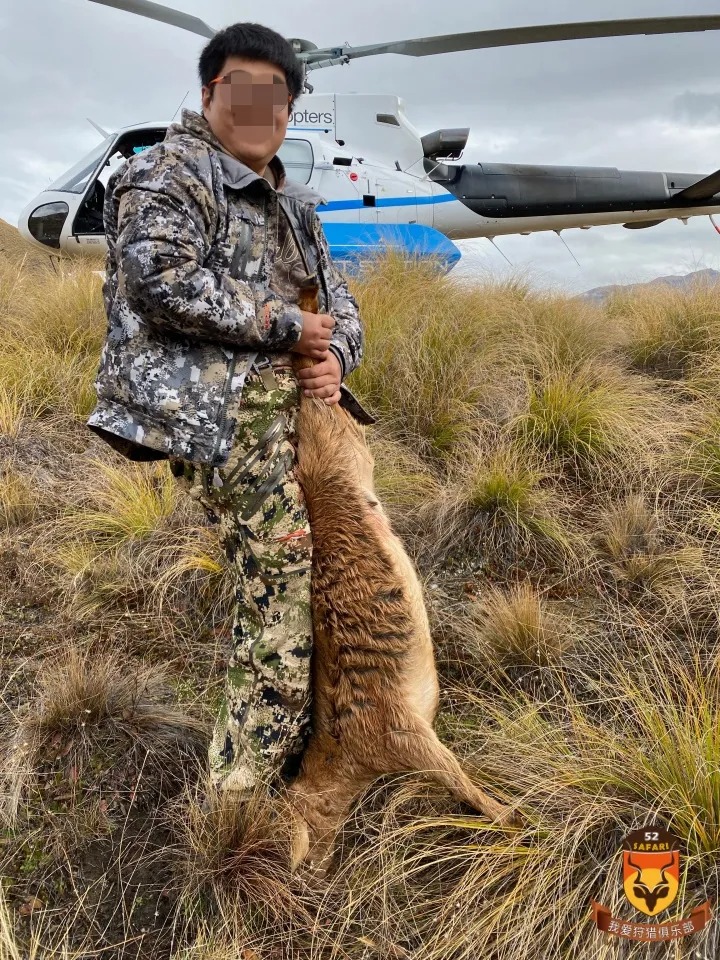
<point>418,748</point>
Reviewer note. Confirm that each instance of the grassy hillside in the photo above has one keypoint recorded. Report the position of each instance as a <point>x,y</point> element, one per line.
<point>554,468</point>
<point>15,251</point>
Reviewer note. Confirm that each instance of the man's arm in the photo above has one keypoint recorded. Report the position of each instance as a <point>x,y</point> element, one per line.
<point>166,216</point>
<point>347,341</point>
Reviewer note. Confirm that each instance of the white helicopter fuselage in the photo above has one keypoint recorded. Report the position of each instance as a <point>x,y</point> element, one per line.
<point>369,163</point>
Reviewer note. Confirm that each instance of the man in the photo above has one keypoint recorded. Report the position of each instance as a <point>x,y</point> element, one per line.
<point>208,242</point>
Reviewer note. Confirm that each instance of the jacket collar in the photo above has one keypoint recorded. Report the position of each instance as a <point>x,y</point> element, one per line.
<point>236,174</point>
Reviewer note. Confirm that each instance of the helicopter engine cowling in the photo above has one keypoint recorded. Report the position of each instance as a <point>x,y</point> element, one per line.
<point>445,144</point>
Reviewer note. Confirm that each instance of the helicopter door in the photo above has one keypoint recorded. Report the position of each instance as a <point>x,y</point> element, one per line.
<point>88,228</point>
<point>368,212</point>
<point>297,158</point>
<point>396,200</point>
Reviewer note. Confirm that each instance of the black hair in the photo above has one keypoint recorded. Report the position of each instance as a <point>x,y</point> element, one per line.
<point>254,42</point>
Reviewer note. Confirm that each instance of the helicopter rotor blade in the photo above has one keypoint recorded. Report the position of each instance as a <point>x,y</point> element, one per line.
<point>519,36</point>
<point>155,11</point>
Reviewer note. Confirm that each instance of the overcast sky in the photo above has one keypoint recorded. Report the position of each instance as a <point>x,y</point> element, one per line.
<point>635,103</point>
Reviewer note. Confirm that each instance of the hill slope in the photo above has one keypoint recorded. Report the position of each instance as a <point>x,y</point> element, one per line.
<point>14,249</point>
<point>562,502</point>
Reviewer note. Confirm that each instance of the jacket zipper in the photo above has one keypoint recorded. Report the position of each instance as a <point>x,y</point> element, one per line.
<point>237,268</point>
<point>265,237</point>
<point>222,421</point>
<point>321,270</point>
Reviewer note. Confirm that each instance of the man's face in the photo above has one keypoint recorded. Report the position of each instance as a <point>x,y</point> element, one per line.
<point>248,110</point>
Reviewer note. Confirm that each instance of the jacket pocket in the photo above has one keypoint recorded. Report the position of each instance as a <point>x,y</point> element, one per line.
<point>176,382</point>
<point>238,252</point>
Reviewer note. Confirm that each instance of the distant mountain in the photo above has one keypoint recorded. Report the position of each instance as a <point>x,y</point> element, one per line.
<point>698,278</point>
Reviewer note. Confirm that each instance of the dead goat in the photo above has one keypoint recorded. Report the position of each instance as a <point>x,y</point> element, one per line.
<point>375,686</point>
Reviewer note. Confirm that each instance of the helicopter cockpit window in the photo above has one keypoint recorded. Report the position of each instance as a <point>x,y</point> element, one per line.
<point>89,218</point>
<point>75,180</point>
<point>129,145</point>
<point>297,158</point>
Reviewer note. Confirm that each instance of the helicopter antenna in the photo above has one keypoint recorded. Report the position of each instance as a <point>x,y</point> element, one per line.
<point>103,133</point>
<point>492,241</point>
<point>564,243</point>
<point>180,105</point>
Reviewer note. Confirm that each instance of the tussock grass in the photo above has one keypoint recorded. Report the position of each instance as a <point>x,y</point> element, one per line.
<point>504,505</point>
<point>427,357</point>
<point>404,481</point>
<point>553,466</point>
<point>52,329</point>
<point>629,527</point>
<point>107,543</point>
<point>236,861</point>
<point>18,497</point>
<point>588,777</point>
<point>668,330</point>
<point>699,462</point>
<point>14,411</point>
<point>571,333</point>
<point>130,502</point>
<point>518,627</point>
<point>518,494</point>
<point>128,536</point>
<point>639,553</point>
<point>594,417</point>
<point>79,698</point>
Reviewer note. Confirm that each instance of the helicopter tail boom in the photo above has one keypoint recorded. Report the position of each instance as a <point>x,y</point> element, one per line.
<point>501,191</point>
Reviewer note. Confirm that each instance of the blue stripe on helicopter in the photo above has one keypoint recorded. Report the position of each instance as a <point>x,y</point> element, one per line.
<point>351,242</point>
<point>384,202</point>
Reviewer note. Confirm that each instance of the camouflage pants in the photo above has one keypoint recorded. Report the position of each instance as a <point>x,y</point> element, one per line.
<point>264,721</point>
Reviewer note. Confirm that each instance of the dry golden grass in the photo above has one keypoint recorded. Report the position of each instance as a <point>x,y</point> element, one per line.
<point>52,327</point>
<point>554,467</point>
<point>596,418</point>
<point>640,552</point>
<point>77,698</point>
<point>18,496</point>
<point>19,255</point>
<point>236,855</point>
<point>668,330</point>
<point>586,780</point>
<point>517,627</point>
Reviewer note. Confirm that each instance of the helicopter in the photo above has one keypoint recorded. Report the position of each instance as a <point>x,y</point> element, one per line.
<point>382,183</point>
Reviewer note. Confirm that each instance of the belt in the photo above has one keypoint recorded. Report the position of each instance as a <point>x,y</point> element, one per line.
<point>263,368</point>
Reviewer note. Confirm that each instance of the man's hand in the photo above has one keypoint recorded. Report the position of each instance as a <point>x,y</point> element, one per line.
<point>314,340</point>
<point>323,379</point>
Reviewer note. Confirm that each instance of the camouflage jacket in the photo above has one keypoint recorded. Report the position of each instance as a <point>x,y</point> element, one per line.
<point>192,237</point>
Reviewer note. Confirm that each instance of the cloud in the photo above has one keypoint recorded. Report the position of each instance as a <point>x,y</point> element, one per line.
<point>698,109</point>
<point>634,103</point>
